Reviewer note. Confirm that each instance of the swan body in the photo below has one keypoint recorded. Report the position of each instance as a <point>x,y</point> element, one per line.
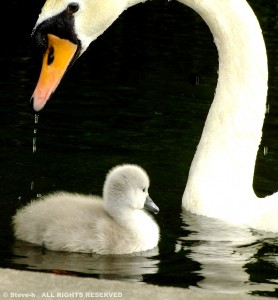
<point>116,224</point>
<point>220,181</point>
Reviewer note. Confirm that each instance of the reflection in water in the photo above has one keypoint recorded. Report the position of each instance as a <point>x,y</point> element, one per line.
<point>115,267</point>
<point>225,253</point>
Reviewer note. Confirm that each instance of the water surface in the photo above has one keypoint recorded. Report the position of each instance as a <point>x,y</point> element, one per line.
<point>140,94</point>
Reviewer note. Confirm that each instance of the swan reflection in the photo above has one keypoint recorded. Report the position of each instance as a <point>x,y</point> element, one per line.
<point>228,254</point>
<point>129,267</point>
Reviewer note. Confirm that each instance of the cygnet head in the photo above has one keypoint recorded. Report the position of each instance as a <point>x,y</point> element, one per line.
<point>126,189</point>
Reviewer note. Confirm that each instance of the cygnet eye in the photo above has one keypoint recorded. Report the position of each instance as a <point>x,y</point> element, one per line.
<point>144,190</point>
<point>72,8</point>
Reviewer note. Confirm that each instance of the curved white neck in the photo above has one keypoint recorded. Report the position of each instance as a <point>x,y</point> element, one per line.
<point>223,165</point>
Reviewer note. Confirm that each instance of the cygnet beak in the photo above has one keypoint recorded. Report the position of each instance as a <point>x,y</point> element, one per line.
<point>150,205</point>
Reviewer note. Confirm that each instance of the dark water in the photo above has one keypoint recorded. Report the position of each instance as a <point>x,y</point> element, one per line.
<point>140,94</point>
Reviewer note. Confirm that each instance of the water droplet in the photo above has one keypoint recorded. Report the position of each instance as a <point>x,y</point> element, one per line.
<point>36,118</point>
<point>34,144</point>
<point>265,150</point>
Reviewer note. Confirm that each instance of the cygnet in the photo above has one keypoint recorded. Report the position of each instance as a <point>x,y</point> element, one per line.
<point>116,224</point>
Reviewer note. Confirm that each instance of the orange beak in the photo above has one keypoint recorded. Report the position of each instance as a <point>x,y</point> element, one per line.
<point>56,60</point>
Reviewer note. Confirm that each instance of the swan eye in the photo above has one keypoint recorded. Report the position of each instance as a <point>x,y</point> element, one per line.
<point>72,8</point>
<point>144,190</point>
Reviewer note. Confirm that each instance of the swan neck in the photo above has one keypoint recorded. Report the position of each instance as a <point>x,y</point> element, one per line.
<point>134,2</point>
<point>223,165</point>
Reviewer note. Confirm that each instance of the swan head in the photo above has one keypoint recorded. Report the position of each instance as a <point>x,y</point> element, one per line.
<point>63,31</point>
<point>126,189</point>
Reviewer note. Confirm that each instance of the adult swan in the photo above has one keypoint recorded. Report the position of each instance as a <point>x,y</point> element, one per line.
<point>221,174</point>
